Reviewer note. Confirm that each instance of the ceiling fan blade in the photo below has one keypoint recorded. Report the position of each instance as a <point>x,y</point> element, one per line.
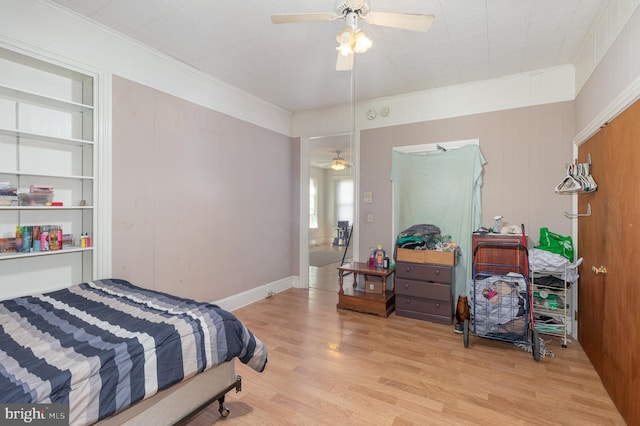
<point>302,17</point>
<point>405,21</point>
<point>344,63</point>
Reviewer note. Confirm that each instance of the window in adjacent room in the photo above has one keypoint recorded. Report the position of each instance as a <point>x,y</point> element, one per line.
<point>344,200</point>
<point>313,203</point>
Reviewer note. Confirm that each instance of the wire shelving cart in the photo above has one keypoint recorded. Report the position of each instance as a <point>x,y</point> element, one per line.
<point>501,298</point>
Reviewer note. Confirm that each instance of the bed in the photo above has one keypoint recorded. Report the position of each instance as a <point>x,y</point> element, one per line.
<point>108,347</point>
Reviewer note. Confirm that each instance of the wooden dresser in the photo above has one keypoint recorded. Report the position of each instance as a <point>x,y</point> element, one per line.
<point>424,291</point>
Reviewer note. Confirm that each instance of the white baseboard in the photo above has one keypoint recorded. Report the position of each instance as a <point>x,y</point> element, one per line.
<point>248,297</point>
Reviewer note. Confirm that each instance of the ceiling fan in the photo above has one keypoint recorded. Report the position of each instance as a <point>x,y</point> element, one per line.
<point>351,39</point>
<point>338,163</point>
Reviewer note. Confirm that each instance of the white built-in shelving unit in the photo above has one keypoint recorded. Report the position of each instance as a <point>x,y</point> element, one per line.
<point>47,137</point>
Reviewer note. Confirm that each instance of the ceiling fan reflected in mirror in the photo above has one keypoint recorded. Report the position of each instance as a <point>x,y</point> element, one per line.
<point>351,39</point>
<point>338,163</point>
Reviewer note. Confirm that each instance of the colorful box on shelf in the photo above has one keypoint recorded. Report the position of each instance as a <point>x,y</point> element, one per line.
<point>7,245</point>
<point>426,256</point>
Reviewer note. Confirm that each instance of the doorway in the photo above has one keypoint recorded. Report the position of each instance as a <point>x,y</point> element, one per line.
<point>334,247</point>
<point>330,209</point>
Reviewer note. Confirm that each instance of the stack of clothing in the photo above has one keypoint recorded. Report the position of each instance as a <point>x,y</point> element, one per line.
<point>498,305</point>
<point>419,237</point>
<point>557,268</point>
<point>425,237</point>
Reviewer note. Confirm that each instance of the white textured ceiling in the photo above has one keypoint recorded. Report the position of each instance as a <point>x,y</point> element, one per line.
<point>293,65</point>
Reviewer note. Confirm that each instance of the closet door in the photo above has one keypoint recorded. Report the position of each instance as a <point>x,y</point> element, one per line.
<point>609,303</point>
<point>591,247</point>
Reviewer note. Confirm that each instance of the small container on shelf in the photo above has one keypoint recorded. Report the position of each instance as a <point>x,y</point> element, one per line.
<point>9,200</point>
<point>85,240</point>
<point>29,199</point>
<point>379,256</point>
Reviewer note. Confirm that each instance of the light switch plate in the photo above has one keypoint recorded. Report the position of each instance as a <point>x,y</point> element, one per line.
<point>368,197</point>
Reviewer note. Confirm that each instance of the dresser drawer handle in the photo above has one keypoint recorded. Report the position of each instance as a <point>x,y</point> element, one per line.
<point>437,271</point>
<point>438,305</point>
<point>408,301</point>
<point>408,269</point>
<point>406,286</point>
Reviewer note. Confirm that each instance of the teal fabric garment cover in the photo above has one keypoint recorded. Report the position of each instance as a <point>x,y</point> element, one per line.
<point>442,189</point>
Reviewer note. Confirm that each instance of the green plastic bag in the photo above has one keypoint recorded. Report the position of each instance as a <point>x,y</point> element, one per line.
<point>555,243</point>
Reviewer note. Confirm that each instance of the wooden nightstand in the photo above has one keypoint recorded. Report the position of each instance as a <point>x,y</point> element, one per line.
<point>379,303</point>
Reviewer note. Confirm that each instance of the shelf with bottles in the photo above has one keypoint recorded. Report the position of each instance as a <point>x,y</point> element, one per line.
<point>64,250</point>
<point>72,223</point>
<point>42,240</point>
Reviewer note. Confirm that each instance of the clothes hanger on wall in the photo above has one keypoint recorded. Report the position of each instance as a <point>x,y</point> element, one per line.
<point>578,179</point>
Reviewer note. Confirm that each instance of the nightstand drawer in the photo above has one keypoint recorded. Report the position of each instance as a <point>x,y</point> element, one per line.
<point>424,271</point>
<point>423,289</point>
<point>420,304</point>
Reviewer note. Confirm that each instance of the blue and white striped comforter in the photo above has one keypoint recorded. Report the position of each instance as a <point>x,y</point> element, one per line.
<point>104,345</point>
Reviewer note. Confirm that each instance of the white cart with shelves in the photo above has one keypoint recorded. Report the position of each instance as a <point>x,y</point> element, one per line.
<point>551,305</point>
<point>47,122</point>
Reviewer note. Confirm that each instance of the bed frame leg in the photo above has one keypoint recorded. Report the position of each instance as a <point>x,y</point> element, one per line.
<point>222,409</point>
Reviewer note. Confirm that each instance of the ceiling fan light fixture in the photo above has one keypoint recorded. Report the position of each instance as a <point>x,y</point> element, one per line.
<point>346,39</point>
<point>338,164</point>
<point>362,42</point>
<point>350,39</point>
<point>344,49</point>
<point>346,35</point>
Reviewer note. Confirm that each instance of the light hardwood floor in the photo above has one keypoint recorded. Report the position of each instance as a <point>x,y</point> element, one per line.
<point>346,368</point>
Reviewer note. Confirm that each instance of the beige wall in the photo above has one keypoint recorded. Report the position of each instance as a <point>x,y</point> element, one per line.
<point>204,205</point>
<point>526,150</point>
<point>618,73</point>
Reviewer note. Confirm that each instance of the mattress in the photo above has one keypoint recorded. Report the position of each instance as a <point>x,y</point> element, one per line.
<point>104,345</point>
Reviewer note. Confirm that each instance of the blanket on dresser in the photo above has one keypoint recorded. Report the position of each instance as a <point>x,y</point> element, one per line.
<point>103,345</point>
